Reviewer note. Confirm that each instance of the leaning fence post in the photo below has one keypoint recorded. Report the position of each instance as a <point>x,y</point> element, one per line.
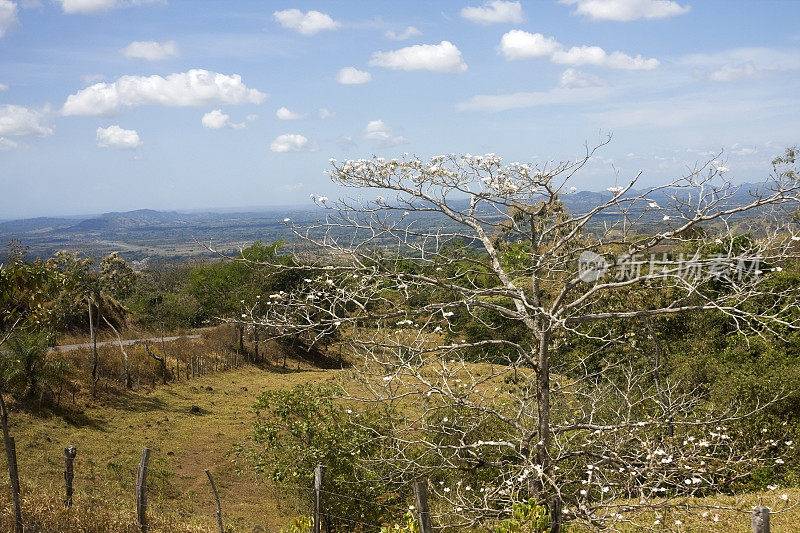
<point>319,473</point>
<point>423,511</point>
<point>13,472</point>
<point>216,498</point>
<point>69,457</point>
<point>759,519</point>
<point>141,490</point>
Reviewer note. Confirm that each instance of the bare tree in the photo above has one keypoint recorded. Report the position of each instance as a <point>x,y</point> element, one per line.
<point>460,240</point>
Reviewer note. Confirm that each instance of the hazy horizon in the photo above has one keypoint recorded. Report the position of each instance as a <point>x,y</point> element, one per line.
<point>110,105</point>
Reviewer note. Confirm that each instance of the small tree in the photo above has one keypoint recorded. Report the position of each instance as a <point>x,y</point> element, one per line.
<point>571,417</point>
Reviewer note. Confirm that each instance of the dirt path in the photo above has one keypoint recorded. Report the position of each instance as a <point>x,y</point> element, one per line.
<point>110,435</point>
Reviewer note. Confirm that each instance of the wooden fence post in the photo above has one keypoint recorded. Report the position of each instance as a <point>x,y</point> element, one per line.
<point>319,473</point>
<point>423,511</point>
<point>69,457</point>
<point>216,498</point>
<point>13,472</point>
<point>141,490</point>
<point>556,506</point>
<point>759,519</point>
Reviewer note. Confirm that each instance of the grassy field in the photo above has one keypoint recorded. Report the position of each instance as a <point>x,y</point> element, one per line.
<point>109,434</point>
<point>110,431</point>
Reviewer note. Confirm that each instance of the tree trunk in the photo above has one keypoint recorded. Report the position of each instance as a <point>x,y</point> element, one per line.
<point>255,343</point>
<point>93,333</point>
<point>549,494</point>
<point>125,362</point>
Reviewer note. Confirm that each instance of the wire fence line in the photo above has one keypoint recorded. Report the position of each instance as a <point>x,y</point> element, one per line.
<point>325,513</point>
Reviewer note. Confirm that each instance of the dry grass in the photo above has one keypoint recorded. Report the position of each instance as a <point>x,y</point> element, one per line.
<point>723,514</point>
<point>111,429</point>
<point>109,433</point>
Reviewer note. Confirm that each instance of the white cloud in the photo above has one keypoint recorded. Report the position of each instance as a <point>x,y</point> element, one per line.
<point>217,120</point>
<point>307,23</point>
<point>493,12</point>
<point>98,6</point>
<point>7,144</point>
<point>442,57</point>
<point>518,44</point>
<point>116,137</point>
<point>572,78</point>
<point>503,102</point>
<point>742,63</point>
<point>377,130</point>
<point>3,87</point>
<point>627,10</point>
<point>353,76</point>
<point>22,121</point>
<point>700,113</point>
<point>734,72</point>
<point>290,142</point>
<point>151,50</point>
<point>407,33</point>
<point>285,114</point>
<point>8,15</point>
<point>324,113</point>
<point>196,87</point>
<point>87,6</point>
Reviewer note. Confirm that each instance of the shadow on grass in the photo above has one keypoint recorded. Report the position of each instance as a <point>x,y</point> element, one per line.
<point>287,355</point>
<point>129,400</point>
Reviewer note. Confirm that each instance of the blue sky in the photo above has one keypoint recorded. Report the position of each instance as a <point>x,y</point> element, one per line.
<point>126,104</point>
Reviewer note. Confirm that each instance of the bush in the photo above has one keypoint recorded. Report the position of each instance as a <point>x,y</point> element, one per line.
<point>302,428</point>
<point>25,367</point>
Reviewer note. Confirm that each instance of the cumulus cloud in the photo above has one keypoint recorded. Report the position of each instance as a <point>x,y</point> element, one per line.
<point>286,114</point>
<point>324,113</point>
<point>98,6</point>
<point>308,23</point>
<point>627,10</point>
<point>407,33</point>
<point>353,76</point>
<point>116,137</point>
<point>23,122</point>
<point>572,78</point>
<point>217,120</point>
<point>151,50</point>
<point>196,87</point>
<point>493,12</point>
<point>7,144</point>
<point>8,15</point>
<point>442,57</point>
<point>377,130</point>
<point>3,87</point>
<point>290,142</point>
<point>518,44</point>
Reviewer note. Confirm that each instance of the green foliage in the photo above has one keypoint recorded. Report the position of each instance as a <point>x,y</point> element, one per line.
<point>25,367</point>
<point>301,524</point>
<point>526,517</point>
<point>303,427</point>
<point>162,300</point>
<point>408,524</point>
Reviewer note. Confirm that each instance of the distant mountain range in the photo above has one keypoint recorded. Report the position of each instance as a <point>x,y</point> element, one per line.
<point>165,235</point>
